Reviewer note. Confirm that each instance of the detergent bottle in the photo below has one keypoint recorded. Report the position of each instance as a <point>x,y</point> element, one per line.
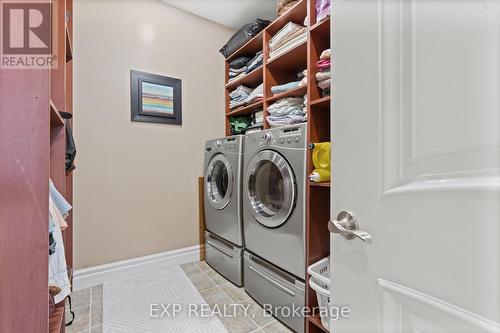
<point>321,161</point>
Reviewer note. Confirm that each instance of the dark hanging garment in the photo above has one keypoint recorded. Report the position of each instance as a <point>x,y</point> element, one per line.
<point>70,143</point>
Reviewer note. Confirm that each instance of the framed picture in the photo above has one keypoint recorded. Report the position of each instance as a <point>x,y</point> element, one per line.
<point>155,98</point>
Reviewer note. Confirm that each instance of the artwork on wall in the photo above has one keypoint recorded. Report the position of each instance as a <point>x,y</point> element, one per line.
<point>155,98</point>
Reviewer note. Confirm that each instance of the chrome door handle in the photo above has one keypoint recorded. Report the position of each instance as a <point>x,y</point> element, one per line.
<point>346,224</point>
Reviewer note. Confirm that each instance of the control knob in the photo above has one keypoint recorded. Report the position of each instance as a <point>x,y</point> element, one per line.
<point>268,137</point>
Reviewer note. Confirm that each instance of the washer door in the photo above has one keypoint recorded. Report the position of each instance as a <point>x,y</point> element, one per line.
<point>271,188</point>
<point>219,182</point>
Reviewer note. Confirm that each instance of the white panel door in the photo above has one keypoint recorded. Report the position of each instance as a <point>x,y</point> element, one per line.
<point>416,158</point>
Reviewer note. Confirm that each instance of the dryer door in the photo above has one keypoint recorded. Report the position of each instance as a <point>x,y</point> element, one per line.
<point>271,188</point>
<point>219,181</point>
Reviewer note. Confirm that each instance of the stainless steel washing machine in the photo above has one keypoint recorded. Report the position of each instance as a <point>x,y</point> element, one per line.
<point>274,186</point>
<point>223,212</point>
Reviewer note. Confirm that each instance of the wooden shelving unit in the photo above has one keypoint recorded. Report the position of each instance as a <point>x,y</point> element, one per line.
<point>318,194</point>
<point>280,70</point>
<point>61,99</point>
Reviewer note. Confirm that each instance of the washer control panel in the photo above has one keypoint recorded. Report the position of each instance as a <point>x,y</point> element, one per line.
<point>293,137</point>
<point>230,144</point>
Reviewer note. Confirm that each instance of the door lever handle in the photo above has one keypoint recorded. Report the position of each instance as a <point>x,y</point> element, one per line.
<point>346,224</point>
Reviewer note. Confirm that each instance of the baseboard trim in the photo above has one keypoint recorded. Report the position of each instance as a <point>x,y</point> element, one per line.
<point>93,276</point>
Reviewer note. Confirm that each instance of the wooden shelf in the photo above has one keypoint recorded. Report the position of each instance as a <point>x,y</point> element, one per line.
<point>246,110</point>
<point>252,79</point>
<point>294,59</point>
<point>69,47</point>
<point>316,321</point>
<point>55,117</point>
<point>297,92</point>
<point>296,14</point>
<point>56,319</point>
<point>251,47</point>
<point>322,184</point>
<point>321,103</point>
<point>321,28</point>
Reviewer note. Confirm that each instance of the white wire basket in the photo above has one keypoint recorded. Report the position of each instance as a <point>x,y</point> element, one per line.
<point>320,283</point>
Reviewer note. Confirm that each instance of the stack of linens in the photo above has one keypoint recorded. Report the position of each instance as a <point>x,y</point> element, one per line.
<point>323,76</point>
<point>289,37</point>
<point>286,111</point>
<point>239,96</point>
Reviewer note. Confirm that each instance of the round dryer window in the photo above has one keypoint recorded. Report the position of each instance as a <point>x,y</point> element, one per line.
<point>219,182</point>
<point>271,188</point>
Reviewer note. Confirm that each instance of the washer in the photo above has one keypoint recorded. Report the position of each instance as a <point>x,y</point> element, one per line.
<point>223,212</point>
<point>274,186</point>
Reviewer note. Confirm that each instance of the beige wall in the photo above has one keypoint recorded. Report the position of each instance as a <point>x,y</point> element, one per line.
<point>135,183</point>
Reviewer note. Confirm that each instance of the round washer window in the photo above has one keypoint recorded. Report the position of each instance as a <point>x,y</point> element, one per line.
<point>271,188</point>
<point>219,182</point>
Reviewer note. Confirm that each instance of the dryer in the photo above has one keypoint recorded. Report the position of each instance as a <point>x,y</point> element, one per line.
<point>274,186</point>
<point>223,213</point>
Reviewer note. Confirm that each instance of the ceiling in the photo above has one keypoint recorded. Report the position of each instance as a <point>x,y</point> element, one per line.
<point>230,13</point>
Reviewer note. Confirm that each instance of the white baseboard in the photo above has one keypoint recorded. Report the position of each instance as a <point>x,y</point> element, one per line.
<point>93,276</point>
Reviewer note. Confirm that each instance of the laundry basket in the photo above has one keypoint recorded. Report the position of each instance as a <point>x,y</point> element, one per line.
<point>320,283</point>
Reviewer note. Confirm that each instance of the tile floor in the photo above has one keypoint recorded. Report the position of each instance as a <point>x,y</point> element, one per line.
<point>214,289</point>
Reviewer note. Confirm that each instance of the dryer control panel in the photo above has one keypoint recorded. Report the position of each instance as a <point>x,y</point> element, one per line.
<point>290,136</point>
<point>230,144</point>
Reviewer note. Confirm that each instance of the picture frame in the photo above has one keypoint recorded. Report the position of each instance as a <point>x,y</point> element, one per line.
<point>155,98</point>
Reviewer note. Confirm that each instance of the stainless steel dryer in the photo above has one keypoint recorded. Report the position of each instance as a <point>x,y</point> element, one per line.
<point>223,214</point>
<point>274,196</point>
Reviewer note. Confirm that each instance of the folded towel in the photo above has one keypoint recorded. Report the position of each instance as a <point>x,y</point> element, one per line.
<point>323,64</point>
<point>326,54</point>
<point>256,62</point>
<point>256,94</point>
<point>320,76</point>
<point>325,83</point>
<point>286,120</point>
<point>284,87</point>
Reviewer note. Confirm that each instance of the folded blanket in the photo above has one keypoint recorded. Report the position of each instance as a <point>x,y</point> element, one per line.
<point>239,62</point>
<point>255,95</point>
<point>256,62</point>
<point>286,102</point>
<point>288,38</point>
<point>326,54</point>
<point>234,104</point>
<point>286,106</point>
<point>320,76</point>
<point>234,71</point>
<point>288,29</point>
<point>289,45</point>
<point>324,84</point>
<point>284,87</point>
<point>286,120</point>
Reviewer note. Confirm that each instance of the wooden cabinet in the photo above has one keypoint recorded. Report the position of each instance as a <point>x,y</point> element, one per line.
<point>279,70</point>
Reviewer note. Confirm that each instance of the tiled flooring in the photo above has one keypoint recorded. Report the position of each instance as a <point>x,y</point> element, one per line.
<point>215,290</point>
<point>87,305</point>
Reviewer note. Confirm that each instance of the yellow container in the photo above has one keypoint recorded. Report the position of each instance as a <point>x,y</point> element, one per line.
<point>321,160</point>
<point>321,155</point>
